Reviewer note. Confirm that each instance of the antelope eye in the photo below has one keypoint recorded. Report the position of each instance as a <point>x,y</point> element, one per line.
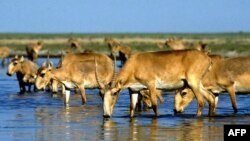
<point>42,74</point>
<point>14,63</point>
<point>114,94</point>
<point>183,94</point>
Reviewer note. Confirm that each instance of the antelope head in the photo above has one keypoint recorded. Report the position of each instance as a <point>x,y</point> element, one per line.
<point>109,101</point>
<point>37,47</point>
<point>44,75</point>
<point>146,99</point>
<point>182,99</point>
<point>202,47</point>
<point>15,65</point>
<point>111,43</point>
<point>109,92</point>
<point>175,44</point>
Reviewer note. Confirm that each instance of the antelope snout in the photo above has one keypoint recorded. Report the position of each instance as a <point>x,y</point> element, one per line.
<point>178,111</point>
<point>106,116</point>
<point>9,74</point>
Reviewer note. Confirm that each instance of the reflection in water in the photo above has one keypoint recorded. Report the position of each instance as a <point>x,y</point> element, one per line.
<point>73,123</point>
<point>38,116</point>
<point>192,129</point>
<point>109,130</point>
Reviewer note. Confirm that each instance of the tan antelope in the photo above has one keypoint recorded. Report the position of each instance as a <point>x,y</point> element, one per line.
<point>111,42</point>
<point>227,75</point>
<point>117,49</point>
<point>80,74</point>
<point>81,57</point>
<point>4,53</point>
<point>69,58</point>
<point>25,71</point>
<point>75,44</point>
<point>179,44</point>
<point>200,46</point>
<point>33,49</point>
<point>175,44</point>
<point>163,70</point>
<point>53,85</point>
<point>124,52</point>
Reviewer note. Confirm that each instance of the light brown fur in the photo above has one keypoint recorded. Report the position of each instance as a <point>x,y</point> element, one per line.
<point>4,53</point>
<point>75,57</point>
<point>179,44</point>
<point>123,49</point>
<point>175,44</point>
<point>26,71</point>
<point>75,43</point>
<point>80,73</point>
<point>117,49</point>
<point>111,42</point>
<point>161,70</point>
<point>231,75</point>
<point>200,46</point>
<point>33,49</point>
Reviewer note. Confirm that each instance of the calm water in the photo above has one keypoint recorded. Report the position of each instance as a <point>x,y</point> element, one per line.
<point>39,116</point>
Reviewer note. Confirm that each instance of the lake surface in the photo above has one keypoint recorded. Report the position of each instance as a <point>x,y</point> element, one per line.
<point>40,116</point>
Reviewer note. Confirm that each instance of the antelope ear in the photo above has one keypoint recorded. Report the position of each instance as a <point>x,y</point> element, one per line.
<point>16,56</point>
<point>21,59</point>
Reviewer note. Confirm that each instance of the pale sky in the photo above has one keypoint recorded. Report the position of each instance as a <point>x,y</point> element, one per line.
<point>91,16</point>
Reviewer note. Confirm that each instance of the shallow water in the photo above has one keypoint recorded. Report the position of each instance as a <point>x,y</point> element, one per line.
<point>39,116</point>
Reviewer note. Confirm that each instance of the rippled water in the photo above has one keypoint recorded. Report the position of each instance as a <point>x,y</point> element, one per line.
<point>39,116</point>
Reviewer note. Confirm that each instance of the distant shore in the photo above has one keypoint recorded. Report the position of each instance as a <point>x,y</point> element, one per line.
<point>228,44</point>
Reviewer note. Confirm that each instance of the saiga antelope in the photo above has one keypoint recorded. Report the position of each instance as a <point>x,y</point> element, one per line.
<point>163,70</point>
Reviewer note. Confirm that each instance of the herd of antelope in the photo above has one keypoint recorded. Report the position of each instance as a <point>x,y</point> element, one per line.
<point>189,72</point>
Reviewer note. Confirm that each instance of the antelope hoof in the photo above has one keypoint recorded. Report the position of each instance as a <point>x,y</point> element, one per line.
<point>235,111</point>
<point>156,115</point>
<point>22,92</point>
<point>210,114</point>
<point>83,102</point>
